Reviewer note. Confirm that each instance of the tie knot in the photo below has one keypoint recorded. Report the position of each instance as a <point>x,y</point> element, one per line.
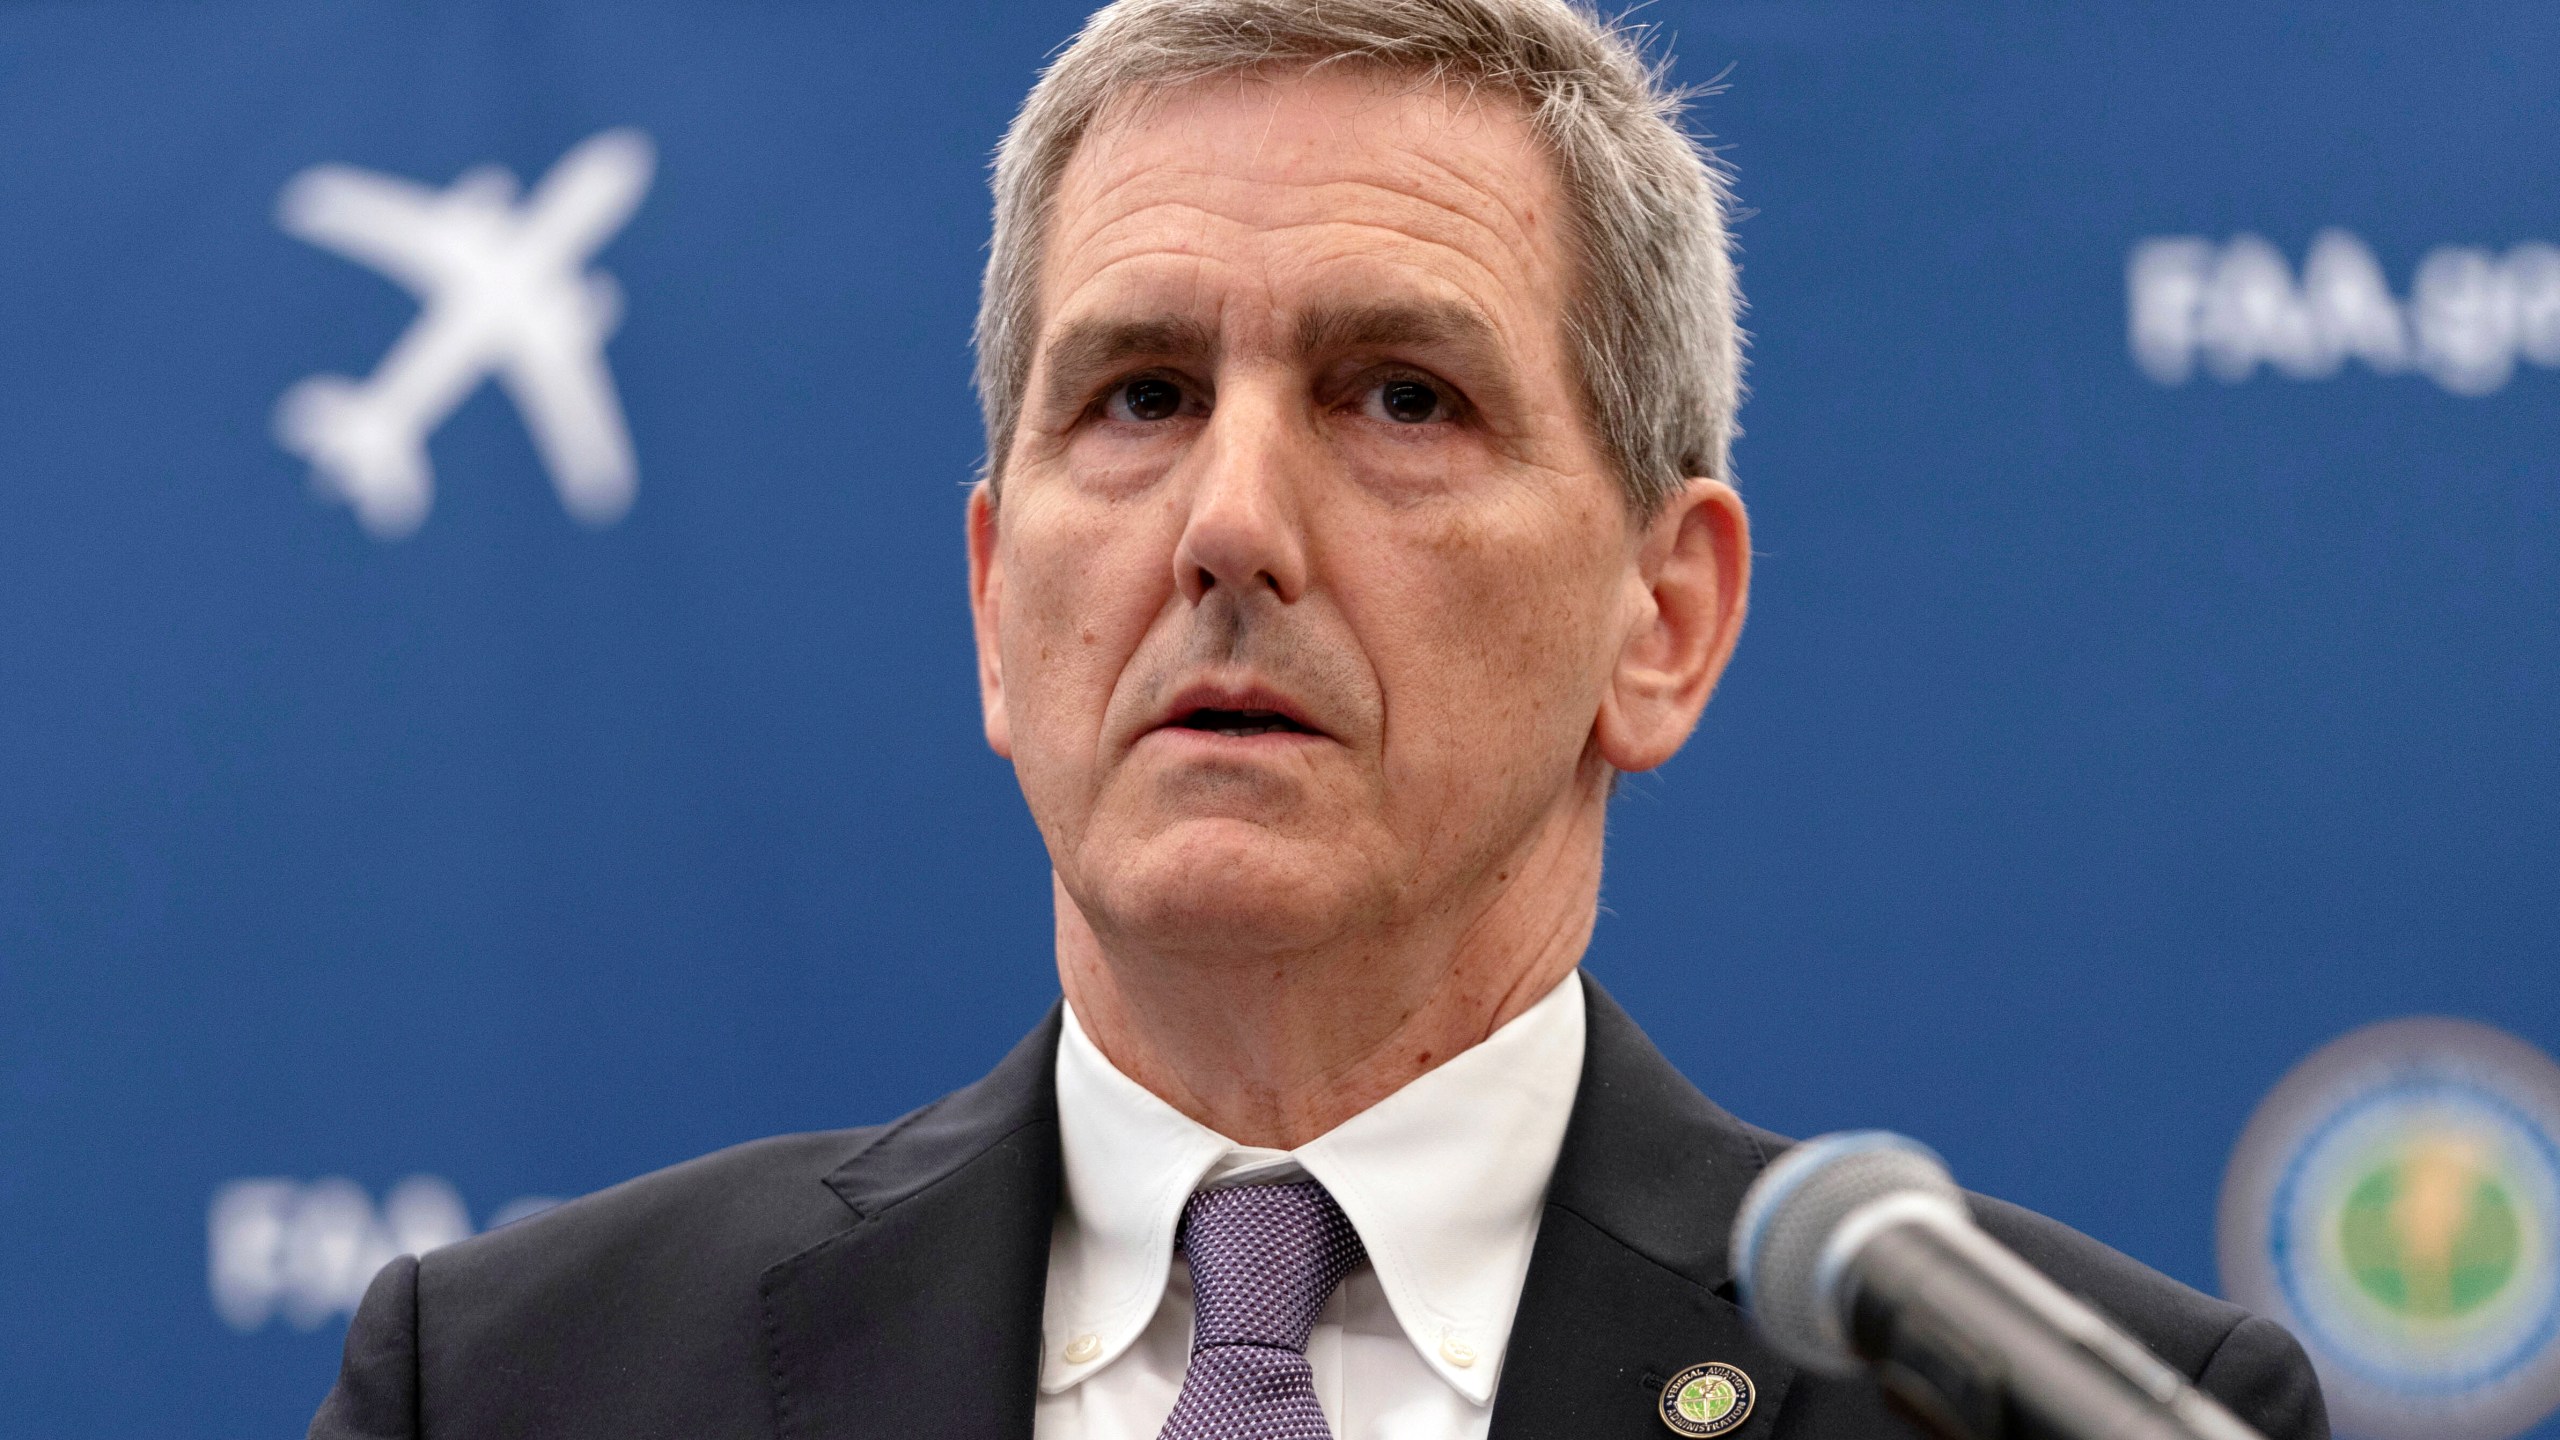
<point>1263,1260</point>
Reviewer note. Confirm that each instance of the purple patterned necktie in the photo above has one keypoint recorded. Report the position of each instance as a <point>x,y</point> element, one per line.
<point>1263,1259</point>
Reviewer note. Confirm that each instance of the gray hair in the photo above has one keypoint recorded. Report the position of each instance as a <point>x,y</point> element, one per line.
<point>1652,326</point>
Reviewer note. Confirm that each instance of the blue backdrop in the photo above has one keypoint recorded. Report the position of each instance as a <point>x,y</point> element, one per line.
<point>2102,741</point>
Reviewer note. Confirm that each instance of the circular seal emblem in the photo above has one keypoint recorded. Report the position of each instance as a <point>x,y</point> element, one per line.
<point>2395,1202</point>
<point>1708,1399</point>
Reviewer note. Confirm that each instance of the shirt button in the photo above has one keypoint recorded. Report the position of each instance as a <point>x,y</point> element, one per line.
<point>1085,1347</point>
<point>1457,1352</point>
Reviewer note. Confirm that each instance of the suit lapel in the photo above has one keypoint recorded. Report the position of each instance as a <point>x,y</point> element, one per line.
<point>1630,1282</point>
<point>921,1318</point>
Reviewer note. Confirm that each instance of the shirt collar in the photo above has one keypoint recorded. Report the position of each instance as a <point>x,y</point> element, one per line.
<point>1444,1180</point>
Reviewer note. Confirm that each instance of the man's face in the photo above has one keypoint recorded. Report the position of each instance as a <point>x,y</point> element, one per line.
<point>1308,577</point>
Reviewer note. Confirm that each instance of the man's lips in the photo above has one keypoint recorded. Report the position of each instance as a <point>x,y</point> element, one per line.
<point>1235,713</point>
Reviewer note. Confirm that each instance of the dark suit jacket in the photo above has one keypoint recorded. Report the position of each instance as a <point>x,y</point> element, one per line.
<point>887,1282</point>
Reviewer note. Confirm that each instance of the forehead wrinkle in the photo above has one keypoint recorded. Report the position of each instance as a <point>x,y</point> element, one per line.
<point>1478,179</point>
<point>1397,241</point>
<point>1487,121</point>
<point>1168,308</point>
<point>1475,181</point>
<point>1519,226</point>
<point>1433,222</point>
<point>1236,199</point>
<point>1435,304</point>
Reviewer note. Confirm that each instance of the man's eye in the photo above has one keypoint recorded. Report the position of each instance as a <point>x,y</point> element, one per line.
<point>1411,402</point>
<point>1146,398</point>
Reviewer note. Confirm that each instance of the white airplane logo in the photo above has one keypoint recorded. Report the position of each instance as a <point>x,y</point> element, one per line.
<point>502,290</point>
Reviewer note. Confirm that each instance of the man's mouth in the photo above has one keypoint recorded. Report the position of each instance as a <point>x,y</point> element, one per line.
<point>1238,723</point>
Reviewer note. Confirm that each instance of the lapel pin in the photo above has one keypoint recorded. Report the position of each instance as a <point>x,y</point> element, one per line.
<point>1709,1399</point>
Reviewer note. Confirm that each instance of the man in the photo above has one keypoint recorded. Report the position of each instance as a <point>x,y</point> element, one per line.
<point>1358,384</point>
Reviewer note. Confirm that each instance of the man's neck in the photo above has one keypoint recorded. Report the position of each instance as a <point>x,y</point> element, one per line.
<point>1276,1048</point>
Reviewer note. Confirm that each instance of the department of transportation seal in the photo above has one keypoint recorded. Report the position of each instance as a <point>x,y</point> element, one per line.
<point>2395,1202</point>
<point>1708,1399</point>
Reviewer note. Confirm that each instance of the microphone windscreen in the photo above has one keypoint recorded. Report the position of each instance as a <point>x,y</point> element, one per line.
<point>1792,1211</point>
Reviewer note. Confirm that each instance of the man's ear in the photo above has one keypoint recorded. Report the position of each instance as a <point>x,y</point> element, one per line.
<point>986,609</point>
<point>1693,575</point>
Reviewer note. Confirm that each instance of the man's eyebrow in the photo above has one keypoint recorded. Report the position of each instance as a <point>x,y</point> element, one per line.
<point>1085,349</point>
<point>1433,324</point>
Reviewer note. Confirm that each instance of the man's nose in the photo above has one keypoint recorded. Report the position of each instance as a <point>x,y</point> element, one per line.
<point>1244,531</point>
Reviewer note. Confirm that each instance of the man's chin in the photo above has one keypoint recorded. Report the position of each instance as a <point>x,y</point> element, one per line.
<point>1234,886</point>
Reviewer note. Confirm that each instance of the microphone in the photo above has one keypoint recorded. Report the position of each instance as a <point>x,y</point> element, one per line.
<point>1856,1254</point>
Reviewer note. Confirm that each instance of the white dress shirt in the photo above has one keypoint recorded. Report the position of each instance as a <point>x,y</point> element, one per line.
<point>1444,1180</point>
